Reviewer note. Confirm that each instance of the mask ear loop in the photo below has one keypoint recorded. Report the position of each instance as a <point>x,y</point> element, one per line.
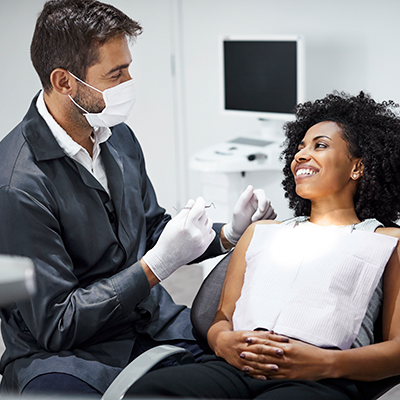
<point>77,104</point>
<point>80,80</point>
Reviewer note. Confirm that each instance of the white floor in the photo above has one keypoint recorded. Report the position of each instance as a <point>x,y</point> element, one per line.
<point>184,283</point>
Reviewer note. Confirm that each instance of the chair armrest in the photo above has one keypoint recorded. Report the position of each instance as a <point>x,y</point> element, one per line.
<point>140,365</point>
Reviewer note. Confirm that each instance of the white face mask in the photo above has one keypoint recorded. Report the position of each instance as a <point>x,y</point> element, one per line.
<point>119,101</point>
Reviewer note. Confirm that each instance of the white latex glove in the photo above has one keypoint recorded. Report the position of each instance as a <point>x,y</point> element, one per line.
<point>184,238</point>
<point>253,205</point>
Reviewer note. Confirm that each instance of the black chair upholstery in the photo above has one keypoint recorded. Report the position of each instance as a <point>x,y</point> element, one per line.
<point>207,298</point>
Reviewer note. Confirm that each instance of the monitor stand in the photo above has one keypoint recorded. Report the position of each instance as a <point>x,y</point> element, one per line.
<point>272,129</point>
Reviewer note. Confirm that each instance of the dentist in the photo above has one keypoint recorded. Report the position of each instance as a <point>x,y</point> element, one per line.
<point>75,198</point>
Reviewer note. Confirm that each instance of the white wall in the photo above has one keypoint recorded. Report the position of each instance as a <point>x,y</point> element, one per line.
<point>351,45</point>
<point>18,80</point>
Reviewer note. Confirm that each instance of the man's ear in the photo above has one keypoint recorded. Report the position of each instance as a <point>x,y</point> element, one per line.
<point>62,81</point>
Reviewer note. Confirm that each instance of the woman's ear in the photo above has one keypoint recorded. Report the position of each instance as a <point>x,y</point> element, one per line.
<point>358,170</point>
<point>62,81</point>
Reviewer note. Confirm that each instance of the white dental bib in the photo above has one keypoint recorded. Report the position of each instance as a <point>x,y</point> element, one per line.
<point>311,283</point>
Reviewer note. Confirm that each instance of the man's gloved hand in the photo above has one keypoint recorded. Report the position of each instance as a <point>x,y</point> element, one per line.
<point>184,238</point>
<point>252,206</point>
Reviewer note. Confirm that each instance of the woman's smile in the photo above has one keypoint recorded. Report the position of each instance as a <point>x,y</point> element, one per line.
<point>305,171</point>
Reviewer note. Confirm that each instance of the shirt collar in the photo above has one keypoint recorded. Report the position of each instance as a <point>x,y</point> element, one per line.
<point>70,147</point>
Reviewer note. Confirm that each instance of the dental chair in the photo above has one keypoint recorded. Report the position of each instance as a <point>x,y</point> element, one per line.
<point>202,315</point>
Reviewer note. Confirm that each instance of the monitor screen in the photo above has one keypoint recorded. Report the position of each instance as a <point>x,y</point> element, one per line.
<point>263,76</point>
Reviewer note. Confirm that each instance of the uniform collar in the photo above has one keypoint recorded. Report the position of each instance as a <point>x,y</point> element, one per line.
<point>70,147</point>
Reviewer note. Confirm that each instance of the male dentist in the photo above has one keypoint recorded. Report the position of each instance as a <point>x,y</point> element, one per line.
<point>76,199</point>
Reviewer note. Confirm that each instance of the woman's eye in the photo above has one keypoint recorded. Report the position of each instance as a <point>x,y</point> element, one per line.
<point>320,146</point>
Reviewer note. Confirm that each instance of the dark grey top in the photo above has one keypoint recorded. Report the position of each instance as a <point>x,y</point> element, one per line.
<point>92,296</point>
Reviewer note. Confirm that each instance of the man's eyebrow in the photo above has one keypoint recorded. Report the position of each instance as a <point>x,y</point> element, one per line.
<point>117,68</point>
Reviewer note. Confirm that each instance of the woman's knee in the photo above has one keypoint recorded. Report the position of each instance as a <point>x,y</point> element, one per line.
<point>194,380</point>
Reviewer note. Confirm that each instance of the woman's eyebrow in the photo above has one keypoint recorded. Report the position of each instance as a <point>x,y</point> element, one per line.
<point>321,137</point>
<point>315,139</point>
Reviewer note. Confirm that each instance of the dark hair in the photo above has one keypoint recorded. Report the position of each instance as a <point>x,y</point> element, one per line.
<point>68,34</point>
<point>372,131</point>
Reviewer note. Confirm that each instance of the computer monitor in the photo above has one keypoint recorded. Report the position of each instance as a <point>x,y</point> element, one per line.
<point>262,77</point>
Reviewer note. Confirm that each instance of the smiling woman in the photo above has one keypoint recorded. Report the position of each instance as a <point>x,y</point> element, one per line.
<point>370,131</point>
<point>323,167</point>
<point>300,298</point>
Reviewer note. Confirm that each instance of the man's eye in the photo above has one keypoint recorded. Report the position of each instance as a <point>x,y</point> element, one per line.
<point>116,76</point>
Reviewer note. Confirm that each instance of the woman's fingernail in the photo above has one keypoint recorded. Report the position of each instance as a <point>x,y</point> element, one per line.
<point>263,378</point>
<point>242,355</point>
<point>285,339</point>
<point>249,340</point>
<point>279,352</point>
<point>274,368</point>
<point>246,369</point>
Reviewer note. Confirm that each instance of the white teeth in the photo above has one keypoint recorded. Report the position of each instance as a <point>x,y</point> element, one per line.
<point>305,171</point>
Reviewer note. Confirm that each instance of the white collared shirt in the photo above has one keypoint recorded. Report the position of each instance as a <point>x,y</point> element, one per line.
<point>74,150</point>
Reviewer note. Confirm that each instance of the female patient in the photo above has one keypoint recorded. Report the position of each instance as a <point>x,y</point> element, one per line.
<point>300,298</point>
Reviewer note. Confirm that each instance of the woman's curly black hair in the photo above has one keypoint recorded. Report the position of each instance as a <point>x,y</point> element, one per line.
<point>372,131</point>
